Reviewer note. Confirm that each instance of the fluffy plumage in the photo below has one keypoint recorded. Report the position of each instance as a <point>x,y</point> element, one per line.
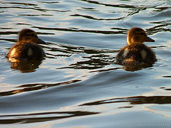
<point>26,48</point>
<point>136,53</point>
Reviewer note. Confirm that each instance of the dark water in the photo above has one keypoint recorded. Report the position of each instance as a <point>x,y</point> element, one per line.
<point>78,85</point>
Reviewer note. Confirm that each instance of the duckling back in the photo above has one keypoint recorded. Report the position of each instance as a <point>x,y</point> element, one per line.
<point>25,51</point>
<point>135,55</point>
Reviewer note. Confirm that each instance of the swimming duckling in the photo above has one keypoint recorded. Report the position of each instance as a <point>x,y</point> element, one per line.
<point>136,53</point>
<point>27,47</point>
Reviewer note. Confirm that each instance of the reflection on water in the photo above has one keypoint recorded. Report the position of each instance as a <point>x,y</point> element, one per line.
<point>24,67</point>
<point>79,84</point>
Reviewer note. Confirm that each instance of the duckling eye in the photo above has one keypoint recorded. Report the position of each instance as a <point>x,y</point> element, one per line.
<point>143,34</point>
<point>33,35</point>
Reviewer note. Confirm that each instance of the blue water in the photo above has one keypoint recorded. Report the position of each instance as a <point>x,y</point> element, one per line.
<point>78,84</point>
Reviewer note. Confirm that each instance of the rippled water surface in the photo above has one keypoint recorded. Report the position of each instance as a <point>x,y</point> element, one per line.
<point>78,85</point>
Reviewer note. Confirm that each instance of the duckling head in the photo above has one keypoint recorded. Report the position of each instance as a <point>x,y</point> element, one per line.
<point>137,35</point>
<point>28,35</point>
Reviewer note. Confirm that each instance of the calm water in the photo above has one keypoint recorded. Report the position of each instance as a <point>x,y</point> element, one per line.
<point>78,85</point>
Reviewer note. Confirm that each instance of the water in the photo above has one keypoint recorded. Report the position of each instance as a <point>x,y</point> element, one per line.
<point>78,84</point>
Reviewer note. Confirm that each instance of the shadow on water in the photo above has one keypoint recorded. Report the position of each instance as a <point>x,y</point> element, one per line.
<point>42,117</point>
<point>33,87</point>
<point>118,30</point>
<point>133,100</point>
<point>49,116</point>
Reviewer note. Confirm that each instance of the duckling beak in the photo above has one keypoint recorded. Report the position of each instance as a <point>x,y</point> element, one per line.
<point>41,41</point>
<point>148,39</point>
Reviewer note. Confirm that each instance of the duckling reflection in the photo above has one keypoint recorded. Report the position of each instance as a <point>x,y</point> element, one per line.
<point>26,53</point>
<point>136,55</point>
<point>26,66</point>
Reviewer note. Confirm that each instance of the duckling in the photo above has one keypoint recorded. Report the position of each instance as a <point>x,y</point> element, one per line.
<point>26,48</point>
<point>136,53</point>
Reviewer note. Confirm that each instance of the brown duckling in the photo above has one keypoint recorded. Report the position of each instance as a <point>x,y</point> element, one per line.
<point>136,53</point>
<point>27,47</point>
